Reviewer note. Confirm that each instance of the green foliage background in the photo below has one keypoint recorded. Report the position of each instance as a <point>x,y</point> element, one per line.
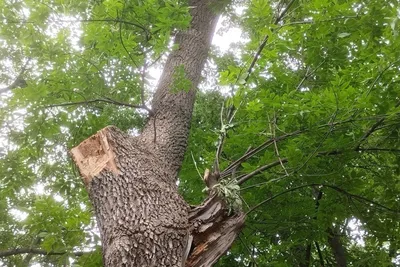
<point>328,75</point>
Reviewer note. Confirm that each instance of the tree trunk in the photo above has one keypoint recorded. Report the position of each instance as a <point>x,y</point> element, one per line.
<point>337,248</point>
<point>131,181</point>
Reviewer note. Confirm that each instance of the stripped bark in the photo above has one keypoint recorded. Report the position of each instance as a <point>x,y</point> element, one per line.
<point>212,232</point>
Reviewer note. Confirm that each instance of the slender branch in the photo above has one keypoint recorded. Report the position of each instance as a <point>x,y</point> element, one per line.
<point>338,189</point>
<point>248,250</point>
<point>123,45</point>
<point>379,149</point>
<point>320,21</point>
<point>308,74</point>
<point>323,153</point>
<point>105,100</point>
<point>378,77</point>
<point>244,178</point>
<point>373,128</point>
<point>321,258</point>
<point>232,110</point>
<point>17,251</point>
<point>143,78</point>
<point>308,256</point>
<point>318,195</point>
<point>221,140</point>
<point>254,151</point>
<point>283,13</point>
<point>89,20</point>
<point>94,65</point>
<point>195,165</point>
<point>251,152</point>
<point>265,41</point>
<point>339,152</point>
<point>273,131</point>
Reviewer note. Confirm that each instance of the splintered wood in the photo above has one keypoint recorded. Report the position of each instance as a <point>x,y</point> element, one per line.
<point>94,155</point>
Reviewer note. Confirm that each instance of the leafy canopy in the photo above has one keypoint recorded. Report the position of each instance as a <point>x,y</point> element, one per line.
<point>322,96</point>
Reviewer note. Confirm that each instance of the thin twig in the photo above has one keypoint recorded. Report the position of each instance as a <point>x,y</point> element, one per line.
<point>373,128</point>
<point>272,126</point>
<point>232,111</point>
<point>17,251</point>
<point>254,151</point>
<point>248,250</point>
<point>308,74</point>
<point>90,20</point>
<point>123,45</point>
<point>320,21</point>
<point>143,76</point>
<point>321,258</point>
<point>221,140</point>
<point>265,41</point>
<point>226,172</point>
<point>105,100</point>
<point>195,165</point>
<point>380,75</point>
<point>323,153</point>
<point>244,178</point>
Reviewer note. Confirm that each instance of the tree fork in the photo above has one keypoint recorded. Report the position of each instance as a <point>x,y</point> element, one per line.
<point>137,214</point>
<point>131,181</point>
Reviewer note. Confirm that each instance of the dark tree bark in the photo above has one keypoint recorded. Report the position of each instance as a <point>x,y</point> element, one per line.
<point>337,248</point>
<point>131,181</point>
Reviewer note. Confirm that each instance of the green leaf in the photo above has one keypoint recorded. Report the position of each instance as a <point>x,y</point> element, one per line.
<point>344,34</point>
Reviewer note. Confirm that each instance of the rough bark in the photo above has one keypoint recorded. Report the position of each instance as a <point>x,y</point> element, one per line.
<point>167,130</point>
<point>131,182</point>
<point>141,217</point>
<point>143,221</point>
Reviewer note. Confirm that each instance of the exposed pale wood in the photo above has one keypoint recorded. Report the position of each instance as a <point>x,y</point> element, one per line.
<point>93,155</point>
<point>213,231</point>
